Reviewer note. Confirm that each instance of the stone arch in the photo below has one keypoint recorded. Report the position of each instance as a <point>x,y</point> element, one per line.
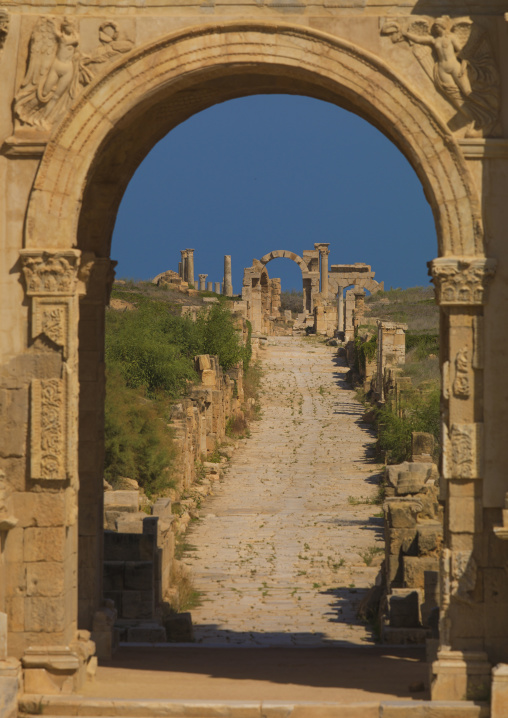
<point>284,254</point>
<point>96,148</point>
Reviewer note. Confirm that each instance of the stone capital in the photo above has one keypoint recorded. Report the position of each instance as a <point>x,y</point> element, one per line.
<point>50,272</point>
<point>322,247</point>
<point>461,281</point>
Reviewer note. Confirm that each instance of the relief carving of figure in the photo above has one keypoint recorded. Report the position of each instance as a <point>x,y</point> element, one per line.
<point>54,74</point>
<point>4,26</point>
<point>461,384</point>
<point>58,70</point>
<point>458,57</point>
<point>111,45</point>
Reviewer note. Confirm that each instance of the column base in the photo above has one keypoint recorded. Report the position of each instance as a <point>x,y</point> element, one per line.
<point>499,705</point>
<point>460,676</point>
<point>54,670</point>
<point>10,687</point>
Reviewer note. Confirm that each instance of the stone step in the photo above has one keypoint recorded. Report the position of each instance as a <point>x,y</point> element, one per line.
<point>71,706</point>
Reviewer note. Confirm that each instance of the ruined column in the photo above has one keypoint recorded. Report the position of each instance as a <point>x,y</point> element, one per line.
<point>209,287</point>
<point>340,308</point>
<point>324,252</point>
<point>217,287</point>
<point>202,282</point>
<point>182,264</point>
<point>190,266</point>
<point>228,283</point>
<point>359,306</point>
<point>470,615</point>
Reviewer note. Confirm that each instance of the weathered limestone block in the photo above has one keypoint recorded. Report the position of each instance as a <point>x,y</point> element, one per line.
<point>422,447</point>
<point>499,700</point>
<point>415,568</point>
<point>402,512</point>
<point>104,634</point>
<point>126,501</point>
<point>404,608</point>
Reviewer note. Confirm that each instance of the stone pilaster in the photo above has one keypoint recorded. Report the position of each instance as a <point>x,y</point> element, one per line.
<point>462,670</point>
<point>52,284</point>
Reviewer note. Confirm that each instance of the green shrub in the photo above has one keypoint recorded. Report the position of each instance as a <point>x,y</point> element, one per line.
<point>220,336</point>
<point>419,413</point>
<point>423,343</point>
<point>365,350</point>
<point>138,443</point>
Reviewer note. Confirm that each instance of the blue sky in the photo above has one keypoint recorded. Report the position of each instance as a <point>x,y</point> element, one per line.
<point>275,172</point>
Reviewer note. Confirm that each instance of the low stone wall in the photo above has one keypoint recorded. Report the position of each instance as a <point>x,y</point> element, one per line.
<point>413,539</point>
<point>140,535</point>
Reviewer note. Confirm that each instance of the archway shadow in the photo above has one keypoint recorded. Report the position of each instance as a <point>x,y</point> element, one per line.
<point>385,670</point>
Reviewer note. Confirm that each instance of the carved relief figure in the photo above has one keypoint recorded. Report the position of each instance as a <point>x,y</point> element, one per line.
<point>4,26</point>
<point>54,73</point>
<point>111,45</point>
<point>458,57</point>
<point>461,384</point>
<point>58,70</point>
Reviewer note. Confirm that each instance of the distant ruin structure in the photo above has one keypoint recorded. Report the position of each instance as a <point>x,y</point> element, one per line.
<point>323,291</point>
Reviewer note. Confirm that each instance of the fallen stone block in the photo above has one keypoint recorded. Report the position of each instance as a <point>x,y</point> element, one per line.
<point>179,627</point>
<point>147,633</point>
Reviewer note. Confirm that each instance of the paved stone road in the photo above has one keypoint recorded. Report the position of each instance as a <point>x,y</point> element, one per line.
<point>286,546</point>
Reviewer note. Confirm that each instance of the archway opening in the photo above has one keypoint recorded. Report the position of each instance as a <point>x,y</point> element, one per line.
<point>135,128</point>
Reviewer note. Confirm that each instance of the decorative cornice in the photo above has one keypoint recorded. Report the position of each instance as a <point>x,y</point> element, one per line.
<point>479,149</point>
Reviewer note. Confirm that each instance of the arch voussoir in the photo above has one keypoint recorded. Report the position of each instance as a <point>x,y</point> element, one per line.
<point>189,58</point>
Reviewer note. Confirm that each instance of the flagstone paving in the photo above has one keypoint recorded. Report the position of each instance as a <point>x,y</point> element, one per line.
<point>288,544</point>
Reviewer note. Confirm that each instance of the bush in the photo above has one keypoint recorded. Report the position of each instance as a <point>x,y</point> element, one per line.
<point>423,343</point>
<point>138,444</point>
<point>152,349</point>
<point>419,413</point>
<point>220,336</point>
<point>292,300</point>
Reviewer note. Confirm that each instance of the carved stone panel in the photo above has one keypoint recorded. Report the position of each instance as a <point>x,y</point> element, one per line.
<point>461,280</point>
<point>463,378</point>
<point>462,451</point>
<point>51,316</point>
<point>48,429</point>
<point>457,56</point>
<point>58,69</point>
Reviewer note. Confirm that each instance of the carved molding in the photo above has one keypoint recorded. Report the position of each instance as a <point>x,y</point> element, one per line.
<point>461,280</point>
<point>457,55</point>
<point>49,273</point>
<point>462,451</point>
<point>48,446</point>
